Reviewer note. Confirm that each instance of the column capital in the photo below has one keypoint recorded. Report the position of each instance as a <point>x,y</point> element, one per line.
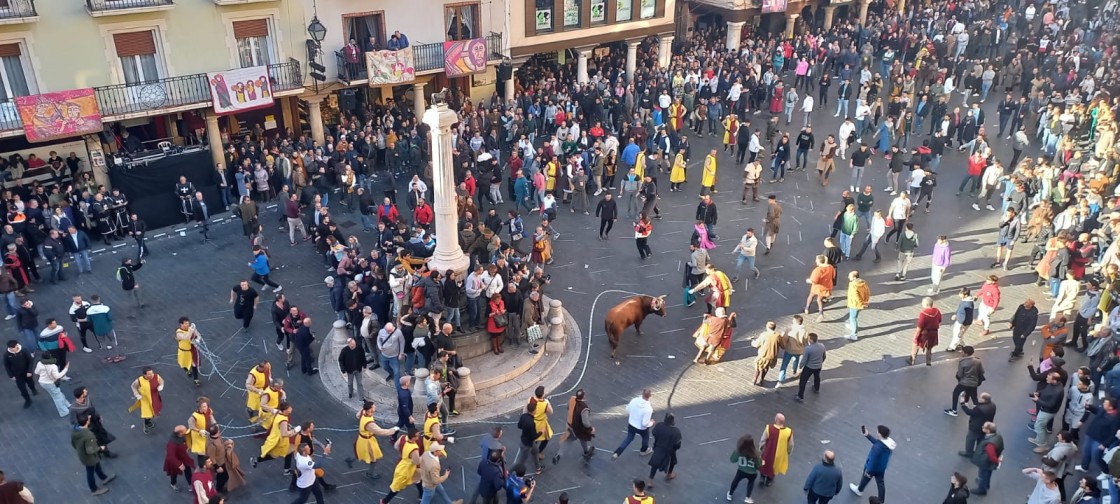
<point>793,17</point>
<point>738,25</point>
<point>633,44</point>
<point>440,117</point>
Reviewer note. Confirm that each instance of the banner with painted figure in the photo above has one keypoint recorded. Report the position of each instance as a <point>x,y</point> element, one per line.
<point>769,6</point>
<point>63,114</point>
<point>390,67</point>
<point>464,57</point>
<point>240,89</point>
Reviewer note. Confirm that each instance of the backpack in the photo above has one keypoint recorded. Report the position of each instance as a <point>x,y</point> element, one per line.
<point>416,296</point>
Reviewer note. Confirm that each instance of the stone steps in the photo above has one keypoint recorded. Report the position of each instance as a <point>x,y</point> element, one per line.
<point>519,378</point>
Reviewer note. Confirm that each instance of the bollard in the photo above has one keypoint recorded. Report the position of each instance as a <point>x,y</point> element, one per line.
<point>555,336</point>
<point>465,396</point>
<point>339,333</point>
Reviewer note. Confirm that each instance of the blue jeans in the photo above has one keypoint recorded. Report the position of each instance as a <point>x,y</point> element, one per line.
<point>10,301</point>
<point>432,493</point>
<point>452,316</point>
<point>393,366</point>
<point>90,472</point>
<point>775,166</point>
<point>30,339</point>
<point>846,244</point>
<point>367,223</point>
<point>224,191</point>
<point>474,310</point>
<point>841,104</point>
<point>1093,452</point>
<point>984,479</point>
<point>802,158</point>
<point>853,321</point>
<point>786,357</point>
<point>631,431</point>
<point>81,257</point>
<point>1054,282</point>
<point>739,264</point>
<point>864,218</point>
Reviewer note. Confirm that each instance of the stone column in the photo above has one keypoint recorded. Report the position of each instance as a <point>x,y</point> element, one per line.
<point>339,333</point>
<point>631,59</point>
<point>665,52</point>
<point>581,65</point>
<point>863,4</point>
<point>734,34</point>
<point>511,85</point>
<point>829,12</point>
<point>214,136</point>
<point>791,23</point>
<point>448,254</point>
<point>466,397</point>
<point>100,173</point>
<point>418,99</point>
<point>315,116</point>
<point>555,337</point>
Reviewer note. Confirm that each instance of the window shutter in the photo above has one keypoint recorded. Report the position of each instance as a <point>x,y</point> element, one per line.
<point>251,28</point>
<point>134,43</point>
<point>7,50</point>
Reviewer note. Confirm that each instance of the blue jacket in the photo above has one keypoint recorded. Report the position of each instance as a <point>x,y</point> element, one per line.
<point>260,264</point>
<point>825,480</point>
<point>521,188</point>
<point>490,479</point>
<point>630,155</point>
<point>100,319</point>
<point>880,455</point>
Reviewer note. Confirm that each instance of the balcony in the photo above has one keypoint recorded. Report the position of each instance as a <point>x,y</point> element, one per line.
<point>98,8</point>
<point>426,58</point>
<point>240,2</point>
<point>18,12</point>
<point>9,118</point>
<point>123,101</point>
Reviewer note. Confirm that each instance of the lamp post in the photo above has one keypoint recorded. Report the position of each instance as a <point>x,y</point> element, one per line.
<point>317,31</point>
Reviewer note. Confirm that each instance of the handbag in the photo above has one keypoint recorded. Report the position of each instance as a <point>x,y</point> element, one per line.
<point>889,222</point>
<point>501,320</point>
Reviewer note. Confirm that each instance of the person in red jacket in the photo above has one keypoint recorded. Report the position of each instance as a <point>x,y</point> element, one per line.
<point>387,212</point>
<point>176,460</point>
<point>423,215</point>
<point>976,165</point>
<point>989,301</point>
<point>471,183</point>
<point>925,334</point>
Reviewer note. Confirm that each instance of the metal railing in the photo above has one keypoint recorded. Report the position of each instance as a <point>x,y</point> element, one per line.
<point>430,56</point>
<point>114,5</point>
<point>9,116</point>
<point>285,76</point>
<point>350,72</point>
<point>14,9</point>
<point>123,99</point>
<point>494,46</point>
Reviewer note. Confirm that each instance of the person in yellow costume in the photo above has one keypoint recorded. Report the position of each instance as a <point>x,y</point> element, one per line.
<point>676,115</point>
<point>366,448</point>
<point>279,440</point>
<point>540,408</point>
<point>187,337</point>
<point>640,164</point>
<point>708,181</point>
<point>269,402</point>
<point>552,170</point>
<point>639,496</point>
<point>405,474</point>
<point>730,130</point>
<point>777,443</point>
<point>146,390</point>
<point>197,429</point>
<point>255,383</point>
<point>677,173</point>
<point>432,426</point>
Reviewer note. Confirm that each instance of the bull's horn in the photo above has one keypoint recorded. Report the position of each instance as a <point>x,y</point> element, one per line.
<point>662,296</point>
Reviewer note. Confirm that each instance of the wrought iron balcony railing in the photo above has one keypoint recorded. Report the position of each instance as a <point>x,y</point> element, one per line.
<point>14,10</point>
<point>110,7</point>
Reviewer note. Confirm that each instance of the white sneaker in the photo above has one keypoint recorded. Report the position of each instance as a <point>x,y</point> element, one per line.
<point>280,347</point>
<point>1079,468</point>
<point>749,500</point>
<point>9,317</point>
<point>264,288</point>
<point>108,347</point>
<point>728,496</point>
<point>976,207</point>
<point>279,288</point>
<point>87,350</point>
<point>889,189</point>
<point>852,188</point>
<point>855,489</point>
<point>990,208</point>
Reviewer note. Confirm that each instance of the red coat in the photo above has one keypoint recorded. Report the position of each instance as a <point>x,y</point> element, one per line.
<point>390,216</point>
<point>929,321</point>
<point>472,185</point>
<point>496,308</point>
<point>776,101</point>
<point>423,215</point>
<point>176,456</point>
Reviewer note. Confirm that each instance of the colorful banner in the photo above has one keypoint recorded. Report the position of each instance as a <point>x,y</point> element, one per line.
<point>769,6</point>
<point>464,57</point>
<point>390,67</point>
<point>64,114</point>
<point>240,89</point>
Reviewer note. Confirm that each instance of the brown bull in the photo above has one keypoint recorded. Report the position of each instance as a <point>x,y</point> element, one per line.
<point>631,312</point>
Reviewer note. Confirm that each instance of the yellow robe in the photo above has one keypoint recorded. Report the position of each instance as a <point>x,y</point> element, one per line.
<point>366,448</point>
<point>729,125</point>
<point>147,411</point>
<point>405,472</point>
<point>195,441</point>
<point>185,355</point>
<point>640,165</point>
<point>677,174</point>
<point>429,424</point>
<point>676,115</point>
<point>551,171</point>
<point>276,444</point>
<point>260,381</point>
<point>710,165</point>
<point>781,452</point>
<point>540,419</point>
<point>272,401</point>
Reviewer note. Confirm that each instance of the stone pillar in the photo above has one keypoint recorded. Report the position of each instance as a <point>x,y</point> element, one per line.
<point>555,338</point>
<point>829,12</point>
<point>100,173</point>
<point>581,65</point>
<point>339,333</point>
<point>214,137</point>
<point>631,59</point>
<point>465,396</point>
<point>665,52</point>
<point>863,4</point>
<point>418,99</point>
<point>734,34</point>
<point>511,85</point>
<point>448,255</point>
<point>791,23</point>
<point>315,117</point>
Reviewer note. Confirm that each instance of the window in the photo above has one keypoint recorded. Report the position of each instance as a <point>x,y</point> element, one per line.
<point>462,21</point>
<point>573,13</point>
<point>254,43</point>
<point>138,56</point>
<point>648,10</point>
<point>543,16</point>
<point>623,13</point>
<point>11,72</point>
<point>598,11</point>
<point>367,30</point>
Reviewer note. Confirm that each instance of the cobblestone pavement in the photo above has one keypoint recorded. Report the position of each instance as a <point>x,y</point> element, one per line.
<point>866,382</point>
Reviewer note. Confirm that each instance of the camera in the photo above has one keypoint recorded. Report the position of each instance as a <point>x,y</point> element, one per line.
<point>530,481</point>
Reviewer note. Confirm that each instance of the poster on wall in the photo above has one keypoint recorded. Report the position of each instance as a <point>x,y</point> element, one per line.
<point>598,11</point>
<point>769,6</point>
<point>649,9</point>
<point>464,57</point>
<point>544,19</point>
<point>63,114</point>
<point>390,67</point>
<point>571,13</point>
<point>623,12</point>
<point>240,89</point>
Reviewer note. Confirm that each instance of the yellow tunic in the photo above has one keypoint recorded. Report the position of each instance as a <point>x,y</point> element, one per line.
<point>676,112</point>
<point>145,387</point>
<point>781,452</point>
<point>729,125</point>
<point>276,444</point>
<point>430,422</point>
<point>195,441</point>
<point>709,179</point>
<point>260,381</point>
<point>540,419</point>
<point>677,175</point>
<point>271,398</point>
<point>184,356</point>
<point>640,165</point>
<point>551,171</point>
<point>366,448</point>
<point>405,472</point>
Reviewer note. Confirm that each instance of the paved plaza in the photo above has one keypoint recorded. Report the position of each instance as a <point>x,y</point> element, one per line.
<point>865,382</point>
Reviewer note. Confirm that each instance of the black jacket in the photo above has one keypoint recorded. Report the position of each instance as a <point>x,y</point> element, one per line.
<point>983,412</point>
<point>607,209</point>
<point>303,338</point>
<point>351,360</point>
<point>707,213</point>
<point>18,364</point>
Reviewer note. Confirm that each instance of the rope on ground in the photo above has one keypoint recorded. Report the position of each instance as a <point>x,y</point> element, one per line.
<point>215,363</point>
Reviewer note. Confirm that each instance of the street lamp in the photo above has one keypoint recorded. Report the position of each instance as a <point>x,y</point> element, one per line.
<point>317,31</point>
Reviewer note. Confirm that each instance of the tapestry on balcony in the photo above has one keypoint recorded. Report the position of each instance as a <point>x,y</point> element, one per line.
<point>390,67</point>
<point>62,114</point>
<point>464,57</point>
<point>769,6</point>
<point>240,89</point>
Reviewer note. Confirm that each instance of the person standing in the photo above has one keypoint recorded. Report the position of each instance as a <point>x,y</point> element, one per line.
<point>769,345</point>
<point>859,298</point>
<point>825,480</point>
<point>987,457</point>
<point>1022,324</point>
<point>607,212</point>
<point>352,361</point>
<point>176,460</point>
<point>773,222</point>
<point>146,390</point>
<point>18,363</point>
<point>49,376</point>
<point>708,178</point>
<point>925,332</point>
<point>642,229</point>
<point>942,257</point>
<point>812,361</point>
<point>777,444</point>
<point>187,337</point>
<point>962,319</point>
<point>640,413</point>
<point>1046,486</point>
<point>666,442</point>
<point>981,412</point>
<point>794,340</point>
<point>83,404</point>
<point>302,341</point>
<point>80,317</point>
<point>821,281</point>
<point>1048,400</point>
<point>85,446</point>
<point>970,374</point>
<point>244,299</point>
<point>877,460</point>
<point>748,462</point>
<point>1086,315</point>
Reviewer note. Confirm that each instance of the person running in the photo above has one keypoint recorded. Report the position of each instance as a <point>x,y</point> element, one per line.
<point>642,229</point>
<point>962,319</point>
<point>746,249</point>
<point>1009,227</point>
<point>773,222</point>
<point>970,374</point>
<point>882,447</point>
<point>820,285</point>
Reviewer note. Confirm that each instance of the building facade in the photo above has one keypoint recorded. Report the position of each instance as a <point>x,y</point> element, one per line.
<point>744,18</point>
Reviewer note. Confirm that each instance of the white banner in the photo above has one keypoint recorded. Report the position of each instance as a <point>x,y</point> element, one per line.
<point>240,89</point>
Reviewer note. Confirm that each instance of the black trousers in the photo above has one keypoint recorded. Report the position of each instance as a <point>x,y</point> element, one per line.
<point>969,393</point>
<point>187,474</point>
<point>1080,331</point>
<point>643,247</point>
<point>24,384</point>
<point>306,362</point>
<point>605,226</point>
<point>740,476</point>
<point>804,379</point>
<point>244,314</point>
<point>1018,337</point>
<point>305,494</point>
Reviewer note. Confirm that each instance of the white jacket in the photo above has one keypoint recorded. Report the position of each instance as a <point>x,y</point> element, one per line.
<point>48,373</point>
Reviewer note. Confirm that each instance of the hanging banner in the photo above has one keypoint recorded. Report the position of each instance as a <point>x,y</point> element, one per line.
<point>64,114</point>
<point>390,67</point>
<point>464,57</point>
<point>649,9</point>
<point>240,89</point>
<point>571,13</point>
<point>598,11</point>
<point>623,11</point>
<point>769,6</point>
<point>544,19</point>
